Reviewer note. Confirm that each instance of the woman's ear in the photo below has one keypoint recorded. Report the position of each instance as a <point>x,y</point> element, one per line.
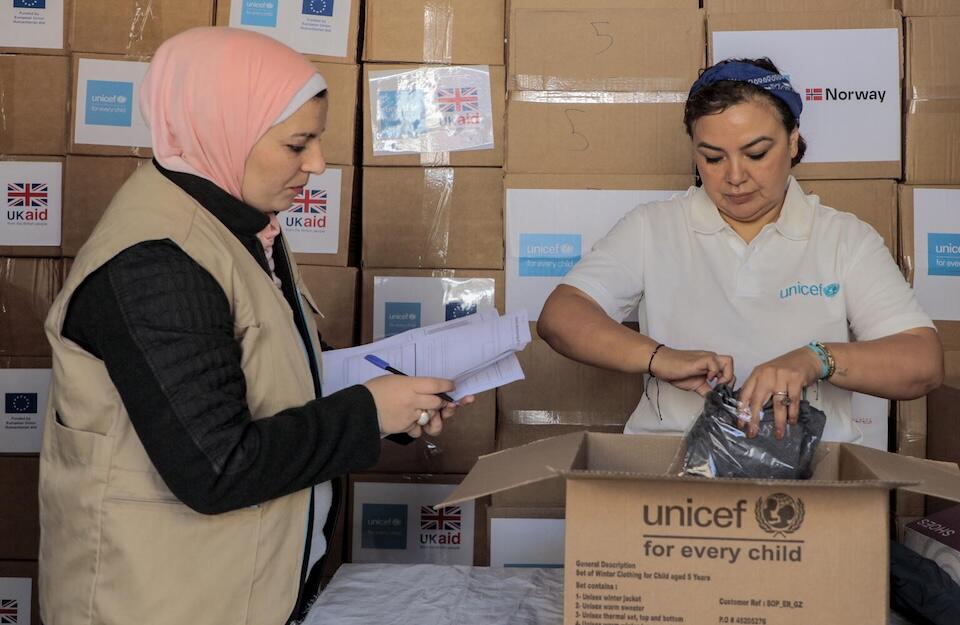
<point>794,142</point>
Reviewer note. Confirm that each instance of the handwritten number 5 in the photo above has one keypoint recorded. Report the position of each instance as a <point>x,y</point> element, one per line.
<point>596,30</point>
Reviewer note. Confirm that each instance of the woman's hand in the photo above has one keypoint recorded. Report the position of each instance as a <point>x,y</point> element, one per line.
<point>692,370</point>
<point>401,400</point>
<point>782,379</point>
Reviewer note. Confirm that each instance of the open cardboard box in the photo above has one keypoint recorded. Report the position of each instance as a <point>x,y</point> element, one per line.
<point>646,546</point>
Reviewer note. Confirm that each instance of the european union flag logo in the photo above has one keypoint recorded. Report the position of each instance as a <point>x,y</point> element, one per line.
<point>29,4</point>
<point>318,7</point>
<point>20,403</point>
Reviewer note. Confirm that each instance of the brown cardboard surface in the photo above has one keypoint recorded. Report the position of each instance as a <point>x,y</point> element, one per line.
<point>613,4</point>
<point>466,436</point>
<point>587,135</point>
<point>596,181</point>
<point>756,6</point>
<point>46,51</point>
<point>932,139</point>
<point>334,289</point>
<point>681,547</point>
<point>558,390</point>
<point>366,298</point>
<point>348,243</point>
<point>24,568</point>
<point>129,28</point>
<point>461,32</point>
<point>95,149</point>
<point>873,201</point>
<point>90,183</point>
<point>28,287</point>
<point>928,7</point>
<point>464,158</point>
<point>931,45</point>
<point>433,218</point>
<point>37,250</point>
<point>943,435</point>
<point>911,420</point>
<point>481,550</point>
<point>223,19</point>
<point>339,137</point>
<point>949,330</point>
<point>605,49</point>
<point>34,112</point>
<point>768,21</point>
<point>20,521</point>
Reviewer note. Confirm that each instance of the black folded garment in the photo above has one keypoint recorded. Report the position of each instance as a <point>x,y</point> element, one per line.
<point>717,447</point>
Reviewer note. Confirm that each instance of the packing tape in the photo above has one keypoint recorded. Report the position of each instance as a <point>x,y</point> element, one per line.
<point>541,82</point>
<point>438,31</point>
<point>437,202</point>
<point>599,97</point>
<point>435,159</point>
<point>8,77</point>
<point>943,92</point>
<point>146,13</point>
<point>563,417</point>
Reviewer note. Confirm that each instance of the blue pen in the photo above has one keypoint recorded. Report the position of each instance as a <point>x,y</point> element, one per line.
<point>383,364</point>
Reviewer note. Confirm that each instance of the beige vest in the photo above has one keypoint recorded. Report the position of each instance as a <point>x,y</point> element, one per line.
<point>117,547</point>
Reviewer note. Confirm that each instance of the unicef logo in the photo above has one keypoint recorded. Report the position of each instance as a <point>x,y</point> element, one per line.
<point>567,249</point>
<point>121,99</point>
<point>397,522</point>
<point>831,290</point>
<point>779,514</point>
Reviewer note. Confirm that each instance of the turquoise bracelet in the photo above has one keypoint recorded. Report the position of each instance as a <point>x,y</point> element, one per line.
<point>824,359</point>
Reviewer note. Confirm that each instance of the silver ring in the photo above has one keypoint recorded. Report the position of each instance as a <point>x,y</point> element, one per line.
<point>424,418</point>
<point>785,401</point>
<point>784,393</point>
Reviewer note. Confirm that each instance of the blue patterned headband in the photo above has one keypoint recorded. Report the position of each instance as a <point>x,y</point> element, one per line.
<point>777,84</point>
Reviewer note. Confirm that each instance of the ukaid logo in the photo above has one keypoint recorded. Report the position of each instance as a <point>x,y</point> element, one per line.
<point>811,290</point>
<point>460,106</point>
<point>384,526</point>
<point>943,254</point>
<point>323,8</point>
<point>109,103</point>
<point>259,13</point>
<point>829,94</point>
<point>9,611</point>
<point>27,203</point>
<point>548,254</point>
<point>308,211</point>
<point>440,528</point>
<point>400,317</point>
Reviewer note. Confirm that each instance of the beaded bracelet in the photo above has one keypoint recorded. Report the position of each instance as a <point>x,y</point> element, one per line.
<point>827,364</point>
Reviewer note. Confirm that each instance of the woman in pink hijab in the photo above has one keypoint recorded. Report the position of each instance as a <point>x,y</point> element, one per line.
<point>188,430</point>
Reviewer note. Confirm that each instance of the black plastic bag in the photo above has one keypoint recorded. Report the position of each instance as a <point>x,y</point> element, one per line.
<point>717,447</point>
<point>920,590</point>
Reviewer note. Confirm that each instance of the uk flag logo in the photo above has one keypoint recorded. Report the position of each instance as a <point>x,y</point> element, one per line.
<point>442,520</point>
<point>458,100</point>
<point>323,8</point>
<point>27,195</point>
<point>312,201</point>
<point>814,93</point>
<point>9,611</point>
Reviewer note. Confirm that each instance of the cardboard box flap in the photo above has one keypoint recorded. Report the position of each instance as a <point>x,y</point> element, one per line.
<point>510,468</point>
<point>581,474</point>
<point>937,479</point>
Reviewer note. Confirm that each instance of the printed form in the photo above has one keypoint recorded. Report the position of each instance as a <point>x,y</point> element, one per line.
<point>477,352</point>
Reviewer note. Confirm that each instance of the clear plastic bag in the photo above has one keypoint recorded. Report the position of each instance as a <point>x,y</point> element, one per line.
<point>717,447</point>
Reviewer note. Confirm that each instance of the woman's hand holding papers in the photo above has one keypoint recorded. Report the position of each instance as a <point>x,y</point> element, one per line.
<point>402,400</point>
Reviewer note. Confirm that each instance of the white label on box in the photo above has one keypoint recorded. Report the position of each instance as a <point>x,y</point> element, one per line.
<point>15,600</point>
<point>312,225</point>
<point>404,303</point>
<point>31,202</point>
<point>24,394</point>
<point>107,108</point>
<point>849,80</point>
<point>431,109</point>
<point>936,257</point>
<point>547,232</point>
<point>871,414</point>
<point>526,542</point>
<point>317,27</point>
<point>31,24</point>
<point>397,523</point>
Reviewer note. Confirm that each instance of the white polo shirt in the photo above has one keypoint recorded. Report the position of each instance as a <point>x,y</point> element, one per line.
<point>816,274</point>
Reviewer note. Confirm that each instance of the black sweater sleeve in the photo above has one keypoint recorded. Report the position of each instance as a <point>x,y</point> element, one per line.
<point>163,328</point>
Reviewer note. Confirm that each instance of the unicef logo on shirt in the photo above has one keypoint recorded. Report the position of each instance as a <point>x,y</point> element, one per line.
<point>810,290</point>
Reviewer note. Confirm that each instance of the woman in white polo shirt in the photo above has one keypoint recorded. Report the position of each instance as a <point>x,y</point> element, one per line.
<point>747,279</point>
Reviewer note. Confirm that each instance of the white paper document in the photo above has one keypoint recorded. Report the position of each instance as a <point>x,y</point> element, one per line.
<point>477,352</point>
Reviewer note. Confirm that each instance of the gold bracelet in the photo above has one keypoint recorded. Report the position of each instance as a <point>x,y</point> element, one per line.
<point>831,363</point>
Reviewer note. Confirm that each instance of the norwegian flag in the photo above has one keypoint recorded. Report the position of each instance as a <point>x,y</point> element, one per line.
<point>458,100</point>
<point>443,520</point>
<point>814,93</point>
<point>9,611</point>
<point>312,201</point>
<point>27,194</point>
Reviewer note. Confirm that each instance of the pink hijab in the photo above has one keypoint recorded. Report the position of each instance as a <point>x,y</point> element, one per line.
<point>210,93</point>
